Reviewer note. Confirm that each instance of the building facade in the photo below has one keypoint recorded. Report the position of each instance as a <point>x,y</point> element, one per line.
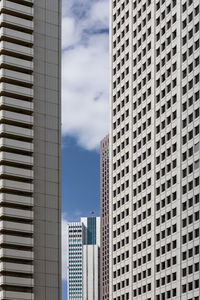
<point>154,149</point>
<point>91,274</point>
<point>30,149</point>
<point>83,265</point>
<point>75,239</point>
<point>104,211</point>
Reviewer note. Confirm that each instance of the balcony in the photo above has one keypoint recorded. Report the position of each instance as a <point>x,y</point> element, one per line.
<point>7,295</point>
<point>16,213</point>
<point>17,9</point>
<point>16,145</point>
<point>9,280</point>
<point>15,199</point>
<point>12,267</point>
<point>14,226</point>
<point>17,186</point>
<point>16,63</point>
<point>14,76</point>
<point>13,117</point>
<point>16,49</point>
<point>16,22</point>
<point>17,36</point>
<point>16,131</point>
<point>16,240</point>
<point>16,90</point>
<point>16,103</point>
<point>16,254</point>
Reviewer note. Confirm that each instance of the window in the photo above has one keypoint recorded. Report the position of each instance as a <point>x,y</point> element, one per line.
<point>196,147</point>
<point>196,164</point>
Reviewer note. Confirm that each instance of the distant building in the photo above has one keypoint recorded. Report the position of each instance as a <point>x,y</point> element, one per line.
<point>104,211</point>
<point>91,258</point>
<point>74,260</point>
<point>83,248</point>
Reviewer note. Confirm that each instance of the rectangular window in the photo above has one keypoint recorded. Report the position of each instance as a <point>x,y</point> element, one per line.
<point>196,147</point>
<point>196,164</point>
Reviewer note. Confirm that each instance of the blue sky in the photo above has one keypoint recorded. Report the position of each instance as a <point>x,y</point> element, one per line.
<point>84,107</point>
<point>85,68</point>
<point>80,192</point>
<point>80,186</point>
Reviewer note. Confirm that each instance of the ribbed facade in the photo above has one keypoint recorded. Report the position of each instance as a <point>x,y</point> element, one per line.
<point>154,146</point>
<point>104,208</point>
<point>22,252</point>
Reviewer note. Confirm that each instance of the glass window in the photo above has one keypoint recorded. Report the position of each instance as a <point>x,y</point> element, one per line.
<point>196,164</point>
<point>196,147</point>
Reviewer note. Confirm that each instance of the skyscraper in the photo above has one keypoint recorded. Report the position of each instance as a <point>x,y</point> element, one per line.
<point>91,258</point>
<point>74,250</point>
<point>104,206</point>
<point>154,149</point>
<point>30,149</point>
<point>83,266</point>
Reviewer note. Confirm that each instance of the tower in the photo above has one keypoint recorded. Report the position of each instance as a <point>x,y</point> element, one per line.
<point>154,150</point>
<point>30,149</point>
<point>83,242</point>
<point>104,228</point>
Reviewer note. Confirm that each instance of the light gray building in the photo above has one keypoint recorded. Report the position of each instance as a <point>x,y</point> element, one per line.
<point>74,260</point>
<point>91,274</point>
<point>154,149</point>
<point>30,252</point>
<point>83,259</point>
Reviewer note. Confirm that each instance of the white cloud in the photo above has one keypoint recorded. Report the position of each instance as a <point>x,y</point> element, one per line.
<point>99,14</point>
<point>69,34</point>
<point>85,72</point>
<point>64,248</point>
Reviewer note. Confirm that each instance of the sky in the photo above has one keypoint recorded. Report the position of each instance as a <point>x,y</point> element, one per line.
<point>85,107</point>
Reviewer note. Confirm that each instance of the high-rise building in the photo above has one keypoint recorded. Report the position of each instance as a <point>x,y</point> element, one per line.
<point>154,149</point>
<point>91,258</point>
<point>104,207</point>
<point>75,238</point>
<point>30,149</point>
<point>83,265</point>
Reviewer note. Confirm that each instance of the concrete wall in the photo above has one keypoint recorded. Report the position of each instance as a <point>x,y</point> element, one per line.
<point>47,121</point>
